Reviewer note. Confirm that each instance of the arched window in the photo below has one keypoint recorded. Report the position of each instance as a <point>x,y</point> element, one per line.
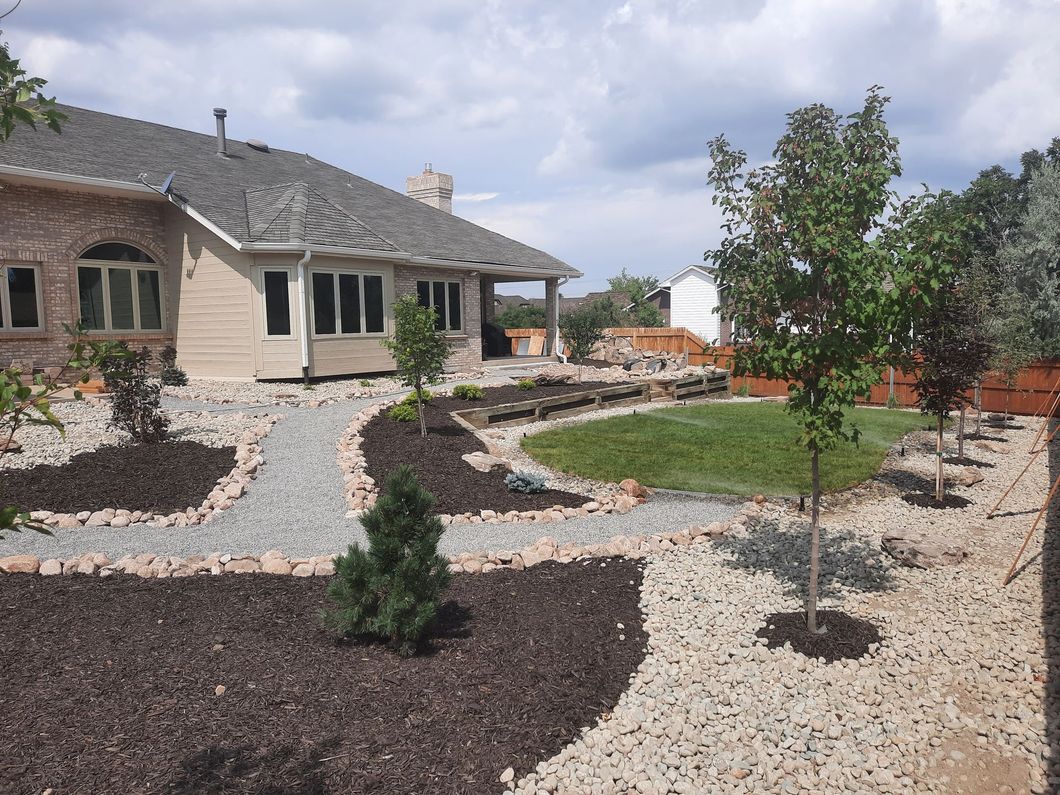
<point>120,288</point>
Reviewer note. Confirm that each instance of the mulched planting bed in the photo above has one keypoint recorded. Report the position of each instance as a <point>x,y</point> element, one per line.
<point>109,685</point>
<point>929,501</point>
<point>847,638</point>
<point>161,478</point>
<point>437,462</point>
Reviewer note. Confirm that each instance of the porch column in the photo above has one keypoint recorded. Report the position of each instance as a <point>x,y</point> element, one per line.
<point>551,313</point>
<point>487,293</point>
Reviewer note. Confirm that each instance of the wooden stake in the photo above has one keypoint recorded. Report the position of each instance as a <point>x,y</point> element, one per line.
<point>1030,533</point>
<point>1019,477</point>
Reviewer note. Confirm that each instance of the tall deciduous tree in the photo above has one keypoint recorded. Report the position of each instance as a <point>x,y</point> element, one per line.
<point>954,352</point>
<point>826,269</point>
<point>641,312</point>
<point>21,100</point>
<point>1029,261</point>
<point>418,347</point>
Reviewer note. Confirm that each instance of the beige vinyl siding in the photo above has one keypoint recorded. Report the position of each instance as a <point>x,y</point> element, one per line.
<point>213,297</point>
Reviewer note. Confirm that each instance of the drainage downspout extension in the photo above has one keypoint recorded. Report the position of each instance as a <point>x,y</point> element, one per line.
<point>555,343</point>
<point>303,321</point>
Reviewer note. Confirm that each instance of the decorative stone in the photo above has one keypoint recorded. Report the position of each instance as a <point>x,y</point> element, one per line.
<point>484,462</point>
<point>51,567</point>
<point>325,569</point>
<point>20,564</point>
<point>276,566</point>
<point>921,550</point>
<point>303,570</point>
<point>970,476</point>
<point>242,566</point>
<point>632,488</point>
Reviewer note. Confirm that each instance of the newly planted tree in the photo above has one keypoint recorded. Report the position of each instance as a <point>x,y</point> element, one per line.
<point>826,270</point>
<point>953,352</point>
<point>581,329</point>
<point>391,591</point>
<point>419,349</point>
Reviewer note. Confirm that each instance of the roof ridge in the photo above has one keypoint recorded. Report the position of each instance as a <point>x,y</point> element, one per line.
<point>353,217</point>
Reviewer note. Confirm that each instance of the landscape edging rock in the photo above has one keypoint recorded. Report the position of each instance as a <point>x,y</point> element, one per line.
<point>361,492</point>
<point>249,458</point>
<point>149,565</point>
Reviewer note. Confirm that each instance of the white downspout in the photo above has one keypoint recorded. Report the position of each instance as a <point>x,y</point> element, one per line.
<point>303,318</point>
<point>555,343</point>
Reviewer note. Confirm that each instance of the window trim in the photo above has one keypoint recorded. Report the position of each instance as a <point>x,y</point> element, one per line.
<point>133,267</point>
<point>292,302</point>
<point>5,299</point>
<point>448,332</point>
<point>339,334</point>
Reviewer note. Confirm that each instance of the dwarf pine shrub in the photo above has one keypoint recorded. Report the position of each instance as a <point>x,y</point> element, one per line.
<point>391,591</point>
<point>169,374</point>
<point>526,482</point>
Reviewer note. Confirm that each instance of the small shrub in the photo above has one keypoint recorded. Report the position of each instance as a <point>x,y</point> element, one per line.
<point>526,482</point>
<point>743,391</point>
<point>136,405</point>
<point>467,392</point>
<point>425,395</point>
<point>391,590</point>
<point>527,384</point>
<point>403,412</point>
<point>366,382</point>
<point>169,373</point>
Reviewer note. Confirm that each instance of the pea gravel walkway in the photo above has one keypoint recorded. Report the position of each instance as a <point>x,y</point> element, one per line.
<point>296,506</point>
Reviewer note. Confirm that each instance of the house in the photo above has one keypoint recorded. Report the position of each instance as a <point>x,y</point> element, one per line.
<point>565,304</point>
<point>688,299</point>
<point>256,263</point>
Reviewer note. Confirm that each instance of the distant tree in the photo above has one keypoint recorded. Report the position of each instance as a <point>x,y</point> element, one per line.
<point>1029,261</point>
<point>1010,333</point>
<point>418,347</point>
<point>641,312</point>
<point>826,269</point>
<point>607,313</point>
<point>954,352</point>
<point>522,317</point>
<point>581,329</point>
<point>21,100</point>
<point>392,590</point>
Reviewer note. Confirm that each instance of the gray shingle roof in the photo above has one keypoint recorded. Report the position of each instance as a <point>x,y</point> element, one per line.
<point>257,196</point>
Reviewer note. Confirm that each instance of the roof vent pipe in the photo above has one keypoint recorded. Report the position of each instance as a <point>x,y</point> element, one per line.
<point>222,144</point>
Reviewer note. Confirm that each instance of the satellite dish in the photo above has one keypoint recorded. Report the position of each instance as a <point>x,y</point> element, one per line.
<point>167,183</point>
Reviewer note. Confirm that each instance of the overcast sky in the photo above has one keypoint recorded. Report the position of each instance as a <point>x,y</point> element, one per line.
<point>577,127</point>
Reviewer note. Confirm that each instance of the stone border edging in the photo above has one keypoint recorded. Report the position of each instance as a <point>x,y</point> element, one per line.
<point>361,493</point>
<point>249,457</point>
<point>149,566</point>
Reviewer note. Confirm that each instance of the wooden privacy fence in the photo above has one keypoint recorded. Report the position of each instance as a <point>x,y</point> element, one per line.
<point>1026,396</point>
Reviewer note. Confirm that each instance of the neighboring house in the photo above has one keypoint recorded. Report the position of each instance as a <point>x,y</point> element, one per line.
<point>255,263</point>
<point>565,304</point>
<point>688,299</point>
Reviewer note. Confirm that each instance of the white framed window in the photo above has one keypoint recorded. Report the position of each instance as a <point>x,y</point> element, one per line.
<point>21,298</point>
<point>446,298</point>
<point>276,316</point>
<point>120,288</point>
<point>347,303</point>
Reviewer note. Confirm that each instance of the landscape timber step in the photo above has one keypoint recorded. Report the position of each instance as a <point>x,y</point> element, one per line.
<point>716,385</point>
<point>571,404</point>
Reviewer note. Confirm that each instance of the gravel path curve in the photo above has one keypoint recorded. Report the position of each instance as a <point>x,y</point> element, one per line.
<point>296,505</point>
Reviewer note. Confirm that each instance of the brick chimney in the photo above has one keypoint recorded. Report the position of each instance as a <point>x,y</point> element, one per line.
<point>432,188</point>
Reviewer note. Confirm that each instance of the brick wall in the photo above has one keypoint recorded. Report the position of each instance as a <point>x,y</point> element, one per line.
<point>467,347</point>
<point>50,228</point>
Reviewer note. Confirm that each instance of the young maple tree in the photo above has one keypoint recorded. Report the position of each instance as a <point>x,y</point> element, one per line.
<point>954,352</point>
<point>419,348</point>
<point>826,270</point>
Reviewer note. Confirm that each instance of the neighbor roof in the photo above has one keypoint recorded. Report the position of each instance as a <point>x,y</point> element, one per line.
<point>255,196</point>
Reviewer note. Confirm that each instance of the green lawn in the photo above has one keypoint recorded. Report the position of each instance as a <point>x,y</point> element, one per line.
<point>719,448</point>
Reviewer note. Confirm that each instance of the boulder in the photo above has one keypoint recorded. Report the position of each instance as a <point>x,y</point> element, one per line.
<point>993,447</point>
<point>632,488</point>
<point>484,462</point>
<point>26,564</point>
<point>970,476</point>
<point>921,550</point>
<point>10,446</point>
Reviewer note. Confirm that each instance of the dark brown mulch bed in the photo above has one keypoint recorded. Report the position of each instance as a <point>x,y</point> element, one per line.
<point>967,462</point>
<point>921,500</point>
<point>161,478</point>
<point>108,686</point>
<point>437,462</point>
<point>847,638</point>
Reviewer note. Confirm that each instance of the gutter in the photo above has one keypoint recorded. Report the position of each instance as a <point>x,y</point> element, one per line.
<point>88,182</point>
<point>303,320</point>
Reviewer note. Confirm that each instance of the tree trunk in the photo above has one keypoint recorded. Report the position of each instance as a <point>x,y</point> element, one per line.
<point>419,410</point>
<point>960,437</point>
<point>978,408</point>
<point>938,462</point>
<point>1008,394</point>
<point>815,541</point>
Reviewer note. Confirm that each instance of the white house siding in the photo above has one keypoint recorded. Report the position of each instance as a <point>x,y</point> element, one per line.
<point>693,296</point>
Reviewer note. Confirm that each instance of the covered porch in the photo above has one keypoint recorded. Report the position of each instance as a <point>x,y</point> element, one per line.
<point>499,348</point>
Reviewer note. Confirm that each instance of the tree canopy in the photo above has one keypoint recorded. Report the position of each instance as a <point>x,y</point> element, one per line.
<point>21,99</point>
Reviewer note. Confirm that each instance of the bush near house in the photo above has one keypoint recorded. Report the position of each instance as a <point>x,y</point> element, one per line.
<point>467,391</point>
<point>136,406</point>
<point>169,373</point>
<point>527,384</point>
<point>404,412</point>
